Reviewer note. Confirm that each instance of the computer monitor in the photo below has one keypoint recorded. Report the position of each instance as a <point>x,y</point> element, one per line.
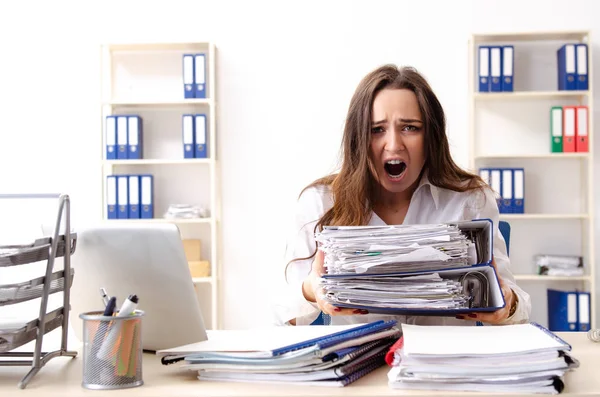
<point>146,259</point>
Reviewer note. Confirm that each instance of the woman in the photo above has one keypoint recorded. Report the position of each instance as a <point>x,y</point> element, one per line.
<point>396,169</point>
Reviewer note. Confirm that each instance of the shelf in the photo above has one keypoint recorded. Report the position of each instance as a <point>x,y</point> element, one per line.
<point>532,36</point>
<point>534,156</point>
<point>517,95</point>
<point>163,220</point>
<point>175,102</point>
<point>158,162</point>
<point>537,277</point>
<point>202,280</point>
<point>137,47</point>
<point>542,216</point>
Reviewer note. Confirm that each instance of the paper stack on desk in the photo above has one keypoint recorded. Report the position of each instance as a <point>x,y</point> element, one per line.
<point>524,358</point>
<point>301,355</point>
<point>437,269</point>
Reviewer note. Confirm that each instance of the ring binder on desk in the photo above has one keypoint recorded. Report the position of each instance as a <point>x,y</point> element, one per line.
<point>46,249</point>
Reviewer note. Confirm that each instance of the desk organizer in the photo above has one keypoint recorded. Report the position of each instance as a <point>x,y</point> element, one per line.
<point>112,351</point>
<point>54,281</point>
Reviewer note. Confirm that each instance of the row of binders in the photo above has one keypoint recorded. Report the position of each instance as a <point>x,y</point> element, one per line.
<point>130,196</point>
<point>568,310</point>
<point>496,67</point>
<point>195,137</point>
<point>569,129</point>
<point>509,185</point>
<point>123,137</point>
<point>572,67</point>
<point>194,76</point>
<point>496,64</point>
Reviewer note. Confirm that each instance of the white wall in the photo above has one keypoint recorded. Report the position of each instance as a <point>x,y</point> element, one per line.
<point>286,71</point>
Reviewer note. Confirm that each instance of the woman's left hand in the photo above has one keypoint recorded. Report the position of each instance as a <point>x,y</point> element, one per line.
<point>499,315</point>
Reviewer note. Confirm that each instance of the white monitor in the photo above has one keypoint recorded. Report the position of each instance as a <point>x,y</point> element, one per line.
<point>146,259</point>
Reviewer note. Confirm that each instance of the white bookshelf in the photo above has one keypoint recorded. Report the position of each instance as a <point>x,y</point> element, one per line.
<point>512,129</point>
<point>147,79</point>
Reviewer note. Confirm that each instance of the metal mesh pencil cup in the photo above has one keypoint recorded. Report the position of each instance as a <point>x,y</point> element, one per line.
<point>112,351</point>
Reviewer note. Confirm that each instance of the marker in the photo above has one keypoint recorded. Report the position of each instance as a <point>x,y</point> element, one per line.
<point>128,306</point>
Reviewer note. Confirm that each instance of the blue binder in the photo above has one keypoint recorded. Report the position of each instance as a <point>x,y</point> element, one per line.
<point>507,202</point>
<point>200,137</point>
<point>122,137</point>
<point>135,142</point>
<point>200,75</point>
<point>187,132</point>
<point>563,312</point>
<point>566,62</point>
<point>134,197</point>
<point>508,66</point>
<point>110,129</point>
<point>189,89</point>
<point>496,69</point>
<point>484,69</point>
<point>111,197</point>
<point>584,311</point>
<point>582,67</point>
<point>122,197</point>
<point>147,196</point>
<point>518,206</point>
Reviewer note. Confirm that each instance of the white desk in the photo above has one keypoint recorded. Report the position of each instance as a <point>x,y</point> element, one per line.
<point>62,377</point>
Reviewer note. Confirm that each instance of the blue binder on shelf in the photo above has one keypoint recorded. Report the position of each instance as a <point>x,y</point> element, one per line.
<point>200,75</point>
<point>507,202</point>
<point>484,69</point>
<point>122,137</point>
<point>496,184</point>
<point>189,89</point>
<point>508,66</point>
<point>495,69</point>
<point>135,142</point>
<point>110,137</point>
<point>187,131</point>
<point>567,67</point>
<point>480,230</point>
<point>582,67</point>
<point>122,197</point>
<point>111,197</point>
<point>200,137</point>
<point>134,197</point>
<point>518,206</point>
<point>147,196</point>
<point>568,310</point>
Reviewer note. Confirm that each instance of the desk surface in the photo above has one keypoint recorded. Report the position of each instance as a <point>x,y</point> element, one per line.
<point>62,377</point>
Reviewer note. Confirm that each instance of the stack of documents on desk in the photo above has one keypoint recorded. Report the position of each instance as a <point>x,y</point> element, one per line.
<point>524,358</point>
<point>301,355</point>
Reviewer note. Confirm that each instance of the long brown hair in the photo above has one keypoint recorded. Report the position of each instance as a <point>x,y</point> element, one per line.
<point>354,186</point>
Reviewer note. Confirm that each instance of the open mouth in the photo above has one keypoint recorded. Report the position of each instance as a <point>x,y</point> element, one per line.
<point>395,168</point>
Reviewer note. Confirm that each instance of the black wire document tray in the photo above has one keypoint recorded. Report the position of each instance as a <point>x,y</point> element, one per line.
<point>39,250</point>
<point>438,269</point>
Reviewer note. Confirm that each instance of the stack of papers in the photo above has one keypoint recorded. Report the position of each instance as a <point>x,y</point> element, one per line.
<point>396,248</point>
<point>431,269</point>
<point>524,358</point>
<point>301,355</point>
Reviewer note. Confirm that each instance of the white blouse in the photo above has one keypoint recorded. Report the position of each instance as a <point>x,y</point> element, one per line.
<point>429,204</point>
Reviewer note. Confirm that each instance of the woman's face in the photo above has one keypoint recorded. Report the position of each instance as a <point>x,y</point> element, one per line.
<point>397,139</point>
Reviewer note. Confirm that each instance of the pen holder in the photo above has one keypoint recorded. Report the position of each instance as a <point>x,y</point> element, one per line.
<point>112,351</point>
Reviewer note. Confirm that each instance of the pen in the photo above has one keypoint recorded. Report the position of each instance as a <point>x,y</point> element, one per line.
<point>128,306</point>
<point>104,295</point>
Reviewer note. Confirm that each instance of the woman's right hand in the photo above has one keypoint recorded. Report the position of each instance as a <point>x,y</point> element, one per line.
<point>313,292</point>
